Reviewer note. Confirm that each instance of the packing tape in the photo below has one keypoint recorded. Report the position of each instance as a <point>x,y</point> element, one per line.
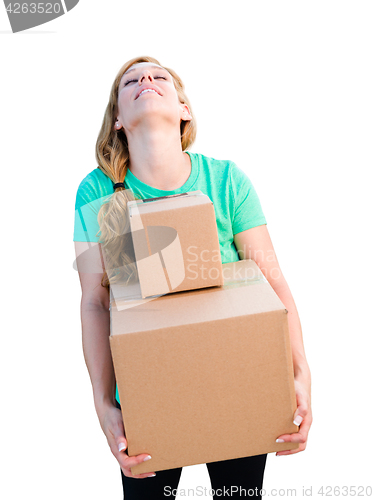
<point>134,203</point>
<point>136,297</point>
<point>245,281</point>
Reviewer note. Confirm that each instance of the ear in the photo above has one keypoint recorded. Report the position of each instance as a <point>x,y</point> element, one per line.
<point>117,124</point>
<point>185,112</point>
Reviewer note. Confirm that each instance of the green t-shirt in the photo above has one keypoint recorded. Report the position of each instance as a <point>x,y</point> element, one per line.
<point>236,204</point>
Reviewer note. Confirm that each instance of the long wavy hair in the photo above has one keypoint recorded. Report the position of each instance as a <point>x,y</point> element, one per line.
<point>112,155</point>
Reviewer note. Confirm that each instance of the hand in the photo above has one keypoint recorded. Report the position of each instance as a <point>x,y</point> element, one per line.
<point>112,425</point>
<point>303,417</point>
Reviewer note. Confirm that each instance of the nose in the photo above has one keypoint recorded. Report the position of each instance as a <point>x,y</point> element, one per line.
<point>146,74</point>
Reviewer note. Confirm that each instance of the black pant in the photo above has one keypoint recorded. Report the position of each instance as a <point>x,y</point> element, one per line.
<point>226,477</point>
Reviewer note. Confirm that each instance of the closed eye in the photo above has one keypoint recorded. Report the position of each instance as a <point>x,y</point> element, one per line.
<point>129,81</point>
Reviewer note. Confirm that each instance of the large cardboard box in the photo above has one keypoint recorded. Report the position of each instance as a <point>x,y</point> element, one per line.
<point>176,243</point>
<point>205,375</point>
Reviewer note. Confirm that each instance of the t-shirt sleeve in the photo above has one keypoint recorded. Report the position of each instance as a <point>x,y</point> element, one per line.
<point>87,205</point>
<point>247,210</point>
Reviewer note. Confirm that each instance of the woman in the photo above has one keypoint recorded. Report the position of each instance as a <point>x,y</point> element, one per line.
<point>141,152</point>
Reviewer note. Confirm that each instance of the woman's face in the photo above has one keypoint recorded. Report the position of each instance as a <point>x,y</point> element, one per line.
<point>159,104</point>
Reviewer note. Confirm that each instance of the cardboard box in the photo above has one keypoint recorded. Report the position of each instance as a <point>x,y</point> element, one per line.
<point>176,243</point>
<point>205,375</point>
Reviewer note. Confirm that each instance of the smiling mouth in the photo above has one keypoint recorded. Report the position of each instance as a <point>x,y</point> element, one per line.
<point>146,91</point>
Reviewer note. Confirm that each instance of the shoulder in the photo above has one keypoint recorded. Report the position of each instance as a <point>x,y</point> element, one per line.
<point>209,162</point>
<point>215,169</point>
<point>227,169</point>
<point>95,185</point>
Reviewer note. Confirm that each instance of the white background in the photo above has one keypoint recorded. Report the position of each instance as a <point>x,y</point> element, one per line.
<point>284,89</point>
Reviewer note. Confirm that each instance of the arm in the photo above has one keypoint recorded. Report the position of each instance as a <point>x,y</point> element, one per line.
<point>255,244</point>
<point>97,353</point>
<point>95,325</point>
<point>95,317</point>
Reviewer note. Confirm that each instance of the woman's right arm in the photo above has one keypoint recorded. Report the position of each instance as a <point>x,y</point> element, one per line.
<point>95,318</point>
<point>95,325</point>
<point>97,355</point>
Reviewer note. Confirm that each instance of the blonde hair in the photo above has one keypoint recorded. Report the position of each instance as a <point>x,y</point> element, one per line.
<point>112,155</point>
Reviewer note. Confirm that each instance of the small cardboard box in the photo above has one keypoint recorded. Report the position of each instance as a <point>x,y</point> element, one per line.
<point>176,243</point>
<point>205,375</point>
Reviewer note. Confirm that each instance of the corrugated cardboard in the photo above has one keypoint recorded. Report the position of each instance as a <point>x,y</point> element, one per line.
<point>205,375</point>
<point>176,243</point>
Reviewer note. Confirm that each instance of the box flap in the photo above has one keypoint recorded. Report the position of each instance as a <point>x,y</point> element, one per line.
<point>176,243</point>
<point>171,202</point>
<point>245,291</point>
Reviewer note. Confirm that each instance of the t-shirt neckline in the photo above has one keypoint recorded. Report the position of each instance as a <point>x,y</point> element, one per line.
<point>133,182</point>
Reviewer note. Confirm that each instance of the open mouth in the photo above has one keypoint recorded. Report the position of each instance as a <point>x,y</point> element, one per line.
<point>146,91</point>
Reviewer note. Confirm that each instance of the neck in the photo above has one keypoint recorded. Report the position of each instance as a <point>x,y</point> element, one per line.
<point>157,159</point>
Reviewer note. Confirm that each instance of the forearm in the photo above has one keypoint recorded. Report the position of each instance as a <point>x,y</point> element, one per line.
<point>97,354</point>
<point>301,367</point>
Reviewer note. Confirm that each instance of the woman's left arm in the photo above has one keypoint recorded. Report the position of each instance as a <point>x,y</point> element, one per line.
<point>255,244</point>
